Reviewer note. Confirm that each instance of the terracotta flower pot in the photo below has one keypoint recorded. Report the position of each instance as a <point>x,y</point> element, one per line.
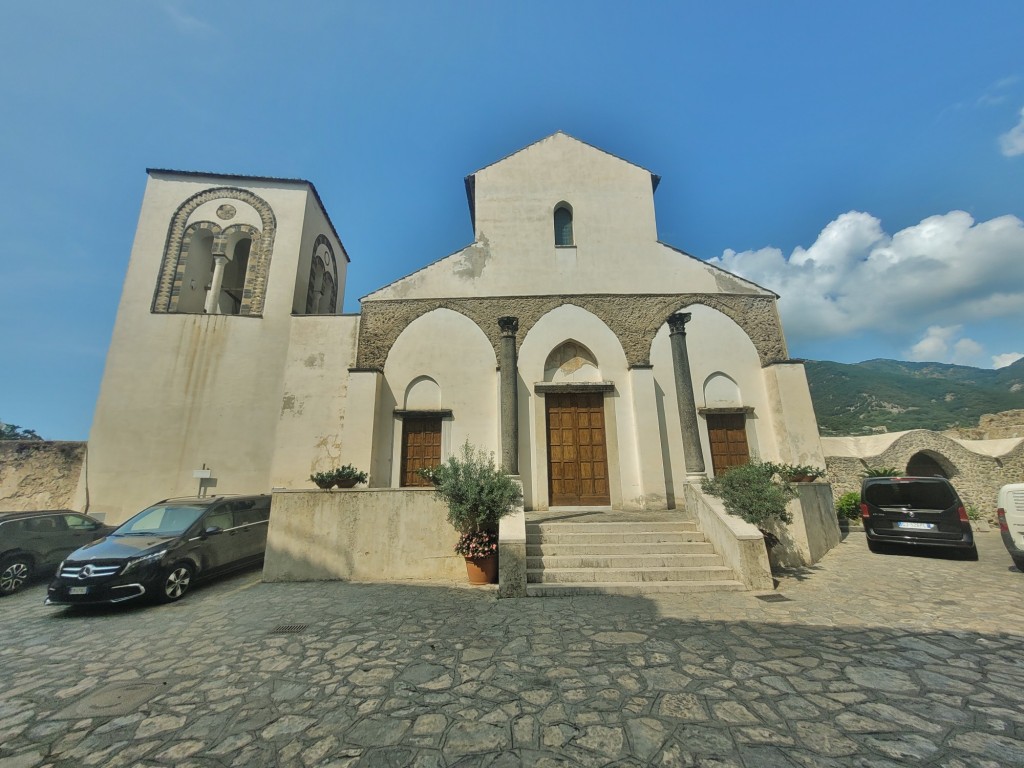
<point>482,570</point>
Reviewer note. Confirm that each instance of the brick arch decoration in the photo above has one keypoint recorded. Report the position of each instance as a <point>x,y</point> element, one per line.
<point>330,269</point>
<point>976,476</point>
<point>456,309</point>
<point>634,319</point>
<point>172,268</point>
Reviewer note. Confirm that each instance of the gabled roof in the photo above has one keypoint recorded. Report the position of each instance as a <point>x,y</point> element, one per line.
<point>566,135</point>
<point>273,179</point>
<point>471,178</point>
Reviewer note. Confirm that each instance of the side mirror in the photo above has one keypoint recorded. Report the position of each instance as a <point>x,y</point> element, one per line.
<point>213,530</point>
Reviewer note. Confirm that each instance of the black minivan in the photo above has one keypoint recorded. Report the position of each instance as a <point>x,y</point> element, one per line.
<point>923,511</point>
<point>163,549</point>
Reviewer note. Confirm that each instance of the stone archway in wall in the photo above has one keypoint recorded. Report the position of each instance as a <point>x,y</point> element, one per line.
<point>930,464</point>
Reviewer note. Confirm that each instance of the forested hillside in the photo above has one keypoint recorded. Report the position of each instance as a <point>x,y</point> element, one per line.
<point>891,395</point>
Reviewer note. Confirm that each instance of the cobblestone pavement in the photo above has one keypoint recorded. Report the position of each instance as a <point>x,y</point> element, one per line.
<point>870,660</point>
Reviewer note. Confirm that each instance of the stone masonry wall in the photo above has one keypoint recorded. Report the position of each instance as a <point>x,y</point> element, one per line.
<point>976,477</point>
<point>36,474</point>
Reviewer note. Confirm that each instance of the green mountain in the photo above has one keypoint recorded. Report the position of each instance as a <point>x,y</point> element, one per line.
<point>862,398</point>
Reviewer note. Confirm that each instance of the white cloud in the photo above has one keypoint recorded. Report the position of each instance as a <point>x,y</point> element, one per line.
<point>1001,361</point>
<point>935,344</point>
<point>995,94</point>
<point>1012,142</point>
<point>855,279</point>
<point>967,352</point>
<point>185,21</point>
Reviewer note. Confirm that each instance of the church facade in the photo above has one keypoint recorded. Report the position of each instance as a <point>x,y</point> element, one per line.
<point>600,365</point>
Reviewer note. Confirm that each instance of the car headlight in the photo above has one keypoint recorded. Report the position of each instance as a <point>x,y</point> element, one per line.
<point>137,561</point>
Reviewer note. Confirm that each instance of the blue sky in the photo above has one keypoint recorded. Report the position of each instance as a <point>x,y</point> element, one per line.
<point>865,160</point>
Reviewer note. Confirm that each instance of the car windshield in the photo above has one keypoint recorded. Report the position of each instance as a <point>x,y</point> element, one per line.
<point>911,494</point>
<point>162,520</point>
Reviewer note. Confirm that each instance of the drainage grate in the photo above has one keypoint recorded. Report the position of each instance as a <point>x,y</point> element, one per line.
<point>773,598</point>
<point>289,629</point>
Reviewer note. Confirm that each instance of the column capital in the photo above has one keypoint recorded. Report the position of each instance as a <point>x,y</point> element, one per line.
<point>677,322</point>
<point>509,325</point>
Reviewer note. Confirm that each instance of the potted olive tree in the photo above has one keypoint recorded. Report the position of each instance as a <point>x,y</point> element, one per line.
<point>478,494</point>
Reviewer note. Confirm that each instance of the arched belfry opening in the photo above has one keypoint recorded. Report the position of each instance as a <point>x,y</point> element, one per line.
<point>322,288</point>
<point>216,268</point>
<point>197,267</point>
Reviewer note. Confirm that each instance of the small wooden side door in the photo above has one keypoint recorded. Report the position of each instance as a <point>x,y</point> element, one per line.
<point>577,451</point>
<point>421,448</point>
<point>728,436</point>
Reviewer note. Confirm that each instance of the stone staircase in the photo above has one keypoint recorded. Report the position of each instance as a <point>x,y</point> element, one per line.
<point>631,557</point>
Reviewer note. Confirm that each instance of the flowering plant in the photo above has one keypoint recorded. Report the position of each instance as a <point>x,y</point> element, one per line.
<point>477,544</point>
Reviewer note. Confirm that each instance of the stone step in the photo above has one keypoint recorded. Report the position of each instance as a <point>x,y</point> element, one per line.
<point>631,537</point>
<point>632,588</point>
<point>626,560</point>
<point>624,575</point>
<point>617,527</point>
<point>586,548</point>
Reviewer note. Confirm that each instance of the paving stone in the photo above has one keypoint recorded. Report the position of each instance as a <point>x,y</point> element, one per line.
<point>441,675</point>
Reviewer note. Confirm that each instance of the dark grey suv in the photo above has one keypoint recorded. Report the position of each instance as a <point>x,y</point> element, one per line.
<point>923,511</point>
<point>33,542</point>
<point>163,549</point>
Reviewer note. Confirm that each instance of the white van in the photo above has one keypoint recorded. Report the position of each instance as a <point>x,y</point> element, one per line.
<point>1011,521</point>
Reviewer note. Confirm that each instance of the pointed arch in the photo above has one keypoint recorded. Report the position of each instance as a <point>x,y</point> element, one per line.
<point>721,391</point>
<point>571,361</point>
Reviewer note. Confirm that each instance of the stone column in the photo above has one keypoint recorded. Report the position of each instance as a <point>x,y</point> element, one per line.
<point>213,297</point>
<point>509,395</point>
<point>684,396</point>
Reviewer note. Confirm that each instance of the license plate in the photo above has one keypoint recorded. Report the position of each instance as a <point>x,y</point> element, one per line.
<point>78,591</point>
<point>916,526</point>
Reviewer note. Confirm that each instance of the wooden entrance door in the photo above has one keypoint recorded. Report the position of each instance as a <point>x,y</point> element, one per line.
<point>728,437</point>
<point>577,455</point>
<point>421,448</point>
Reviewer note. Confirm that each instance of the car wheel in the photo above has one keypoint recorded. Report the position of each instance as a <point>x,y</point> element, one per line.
<point>14,572</point>
<point>175,582</point>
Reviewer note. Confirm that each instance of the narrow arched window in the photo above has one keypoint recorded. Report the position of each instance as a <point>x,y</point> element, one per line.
<point>563,225</point>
